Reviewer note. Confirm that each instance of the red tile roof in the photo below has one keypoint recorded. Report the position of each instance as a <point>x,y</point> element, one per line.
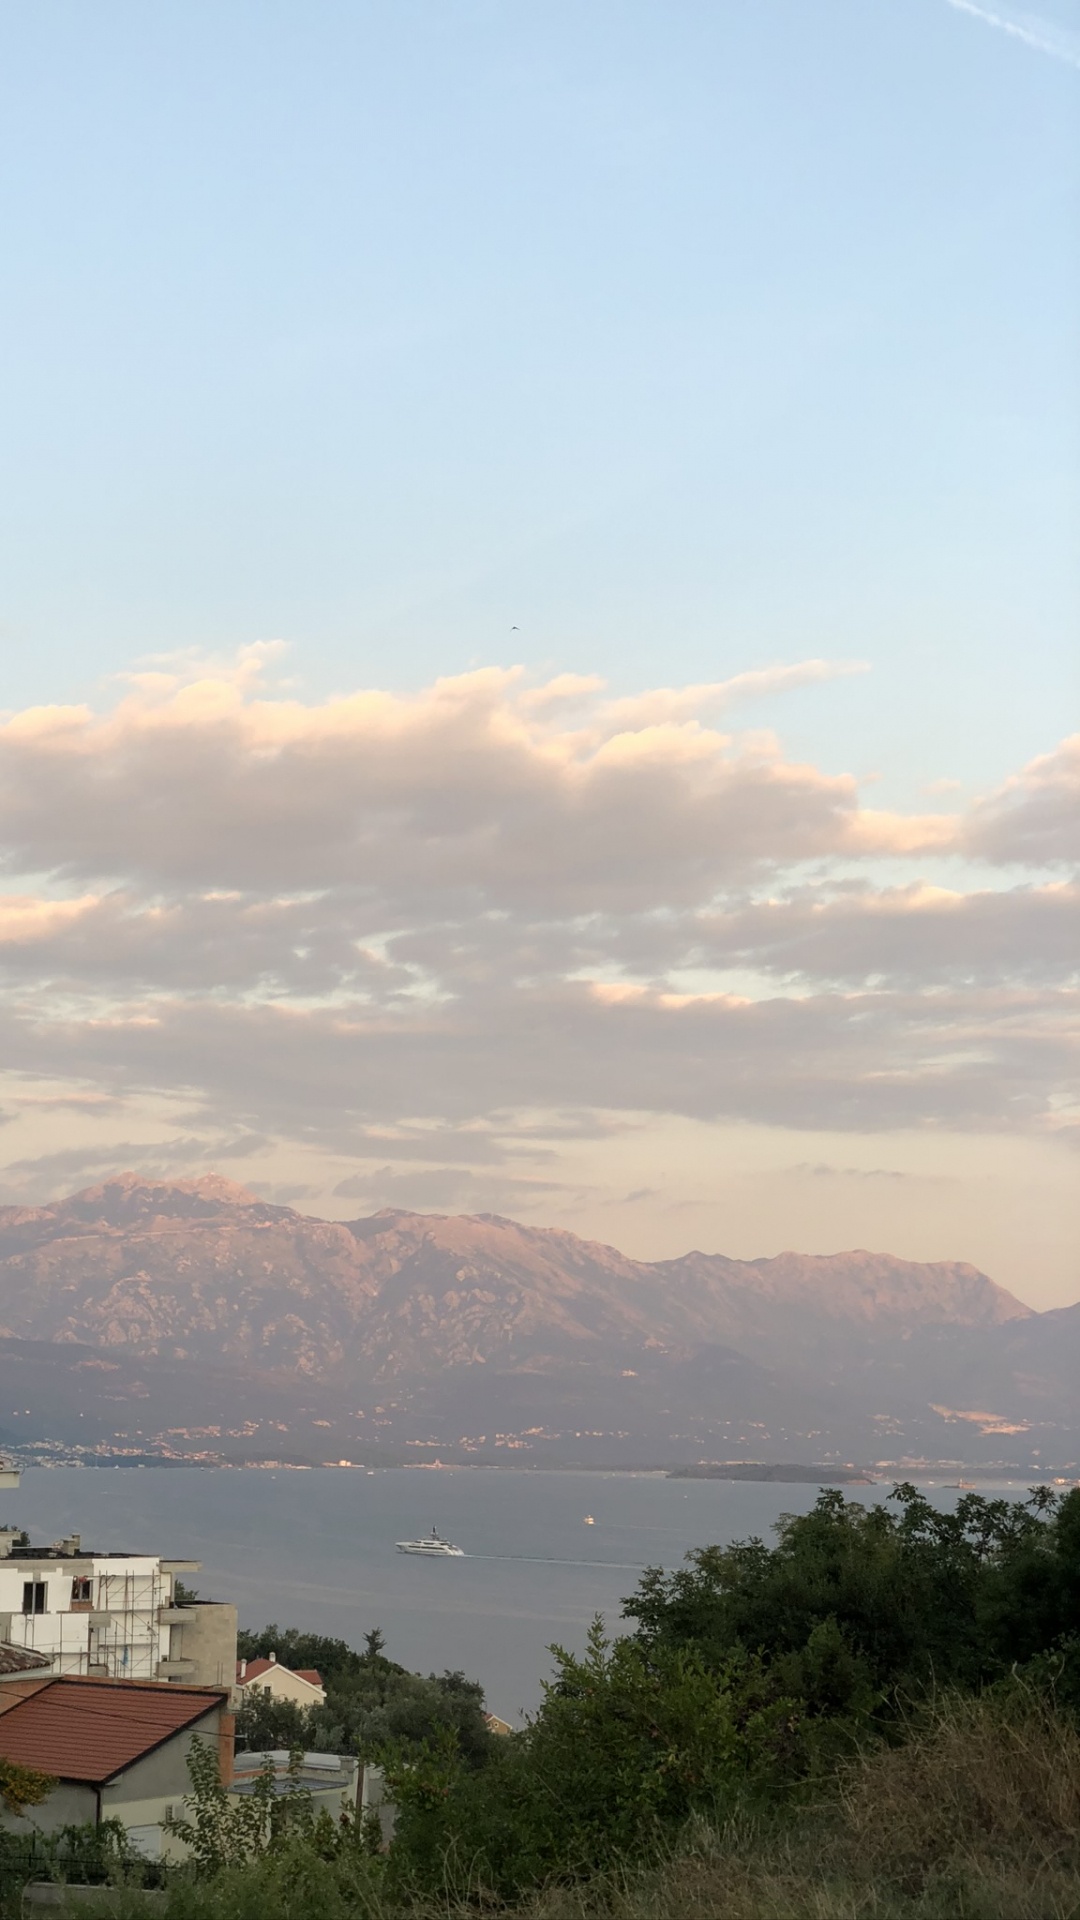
<point>257,1668</point>
<point>81,1729</point>
<point>21,1659</point>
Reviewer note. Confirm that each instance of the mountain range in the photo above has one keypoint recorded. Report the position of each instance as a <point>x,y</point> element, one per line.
<point>193,1318</point>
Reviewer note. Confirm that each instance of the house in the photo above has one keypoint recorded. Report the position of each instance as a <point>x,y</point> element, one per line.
<point>302,1685</point>
<point>332,1779</point>
<point>17,1661</point>
<point>112,1615</point>
<point>495,1725</point>
<point>117,1748</point>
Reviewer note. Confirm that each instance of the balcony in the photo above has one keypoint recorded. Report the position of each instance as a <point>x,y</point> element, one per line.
<point>174,1669</point>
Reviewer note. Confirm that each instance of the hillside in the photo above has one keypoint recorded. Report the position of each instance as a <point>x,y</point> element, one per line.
<point>430,1322</point>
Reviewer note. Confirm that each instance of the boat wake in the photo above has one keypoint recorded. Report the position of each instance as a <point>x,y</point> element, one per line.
<point>555,1560</point>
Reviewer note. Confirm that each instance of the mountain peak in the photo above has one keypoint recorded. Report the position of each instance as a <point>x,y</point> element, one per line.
<point>214,1184</point>
<point>125,1199</point>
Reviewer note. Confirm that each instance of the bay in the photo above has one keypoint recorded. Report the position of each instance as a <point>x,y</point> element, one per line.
<point>316,1549</point>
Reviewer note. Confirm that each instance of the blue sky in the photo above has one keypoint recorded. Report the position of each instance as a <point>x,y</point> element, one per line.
<point>659,344</point>
<point>696,334</point>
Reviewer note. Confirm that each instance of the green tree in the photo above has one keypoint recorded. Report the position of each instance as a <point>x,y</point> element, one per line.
<point>332,1659</point>
<point>626,1745</point>
<point>263,1723</point>
<point>913,1598</point>
<point>370,1700</point>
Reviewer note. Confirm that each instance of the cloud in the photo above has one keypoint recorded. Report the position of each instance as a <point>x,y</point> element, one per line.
<point>446,1190</point>
<point>430,938</point>
<point>161,1158</point>
<point>665,704</point>
<point>1034,818</point>
<point>209,785</point>
<point>916,935</point>
<point>1041,35</point>
<point>324,1077</point>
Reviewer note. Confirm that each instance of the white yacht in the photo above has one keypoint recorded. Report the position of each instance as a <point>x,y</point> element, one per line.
<point>434,1546</point>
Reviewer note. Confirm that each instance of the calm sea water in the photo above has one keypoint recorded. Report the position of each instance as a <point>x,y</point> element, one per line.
<point>317,1549</point>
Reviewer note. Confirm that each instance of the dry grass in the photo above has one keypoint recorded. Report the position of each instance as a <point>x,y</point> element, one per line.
<point>985,1780</point>
<point>975,1817</point>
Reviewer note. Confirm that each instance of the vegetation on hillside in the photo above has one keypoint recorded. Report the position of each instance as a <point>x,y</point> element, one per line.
<point>877,1716</point>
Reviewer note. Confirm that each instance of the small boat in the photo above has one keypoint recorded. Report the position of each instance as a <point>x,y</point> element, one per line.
<point>433,1547</point>
<point>589,1521</point>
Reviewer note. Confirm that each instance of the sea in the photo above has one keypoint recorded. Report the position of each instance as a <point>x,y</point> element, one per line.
<point>316,1549</point>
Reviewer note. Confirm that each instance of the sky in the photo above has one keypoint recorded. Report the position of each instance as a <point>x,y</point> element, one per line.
<point>538,605</point>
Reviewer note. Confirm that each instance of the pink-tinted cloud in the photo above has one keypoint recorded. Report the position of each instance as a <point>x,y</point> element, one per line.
<point>470,784</point>
<point>1034,819</point>
<point>427,930</point>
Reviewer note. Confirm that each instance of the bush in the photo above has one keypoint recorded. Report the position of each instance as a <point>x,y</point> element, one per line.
<point>915,1600</point>
<point>625,1747</point>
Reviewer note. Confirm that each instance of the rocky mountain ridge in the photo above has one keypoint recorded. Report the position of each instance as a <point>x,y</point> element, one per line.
<point>205,1270</point>
<point>444,1331</point>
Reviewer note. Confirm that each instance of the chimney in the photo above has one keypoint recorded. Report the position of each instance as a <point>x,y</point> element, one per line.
<point>273,1659</point>
<point>226,1748</point>
<point>243,1669</point>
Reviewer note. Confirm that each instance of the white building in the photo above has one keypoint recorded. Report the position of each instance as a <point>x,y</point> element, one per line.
<point>111,1615</point>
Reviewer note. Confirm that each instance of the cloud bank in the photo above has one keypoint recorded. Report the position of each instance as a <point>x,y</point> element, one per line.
<point>459,927</point>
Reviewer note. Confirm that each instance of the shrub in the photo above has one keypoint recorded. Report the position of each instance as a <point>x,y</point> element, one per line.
<point>625,1747</point>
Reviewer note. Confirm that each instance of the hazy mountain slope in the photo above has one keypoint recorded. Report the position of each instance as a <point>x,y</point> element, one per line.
<point>215,1314</point>
<point>195,1269</point>
<point>203,1270</point>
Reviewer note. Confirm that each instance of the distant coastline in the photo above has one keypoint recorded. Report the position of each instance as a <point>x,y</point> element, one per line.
<point>946,1473</point>
<point>791,1475</point>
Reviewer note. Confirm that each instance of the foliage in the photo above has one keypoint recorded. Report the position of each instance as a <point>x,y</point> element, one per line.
<point>999,1775</point>
<point>22,1787</point>
<point>916,1599</point>
<point>221,1829</point>
<point>183,1595</point>
<point>331,1658</point>
<point>369,1700</point>
<point>974,1813</point>
<point>884,1701</point>
<point>625,1747</point>
<point>263,1723</point>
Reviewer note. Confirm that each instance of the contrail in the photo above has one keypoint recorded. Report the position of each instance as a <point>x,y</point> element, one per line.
<point>1040,34</point>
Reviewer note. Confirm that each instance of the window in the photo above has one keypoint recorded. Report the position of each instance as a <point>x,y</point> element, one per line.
<point>81,1591</point>
<point>33,1596</point>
